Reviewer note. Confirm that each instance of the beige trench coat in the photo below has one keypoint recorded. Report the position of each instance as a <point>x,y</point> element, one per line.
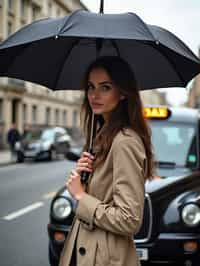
<point>111,213</point>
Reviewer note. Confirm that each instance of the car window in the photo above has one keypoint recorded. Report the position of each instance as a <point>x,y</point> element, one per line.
<point>174,142</point>
<point>60,134</point>
<point>33,135</point>
<point>47,134</point>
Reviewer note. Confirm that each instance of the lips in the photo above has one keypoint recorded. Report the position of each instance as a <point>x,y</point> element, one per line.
<point>96,105</point>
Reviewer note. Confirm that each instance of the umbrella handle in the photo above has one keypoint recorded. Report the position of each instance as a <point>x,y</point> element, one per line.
<point>85,175</point>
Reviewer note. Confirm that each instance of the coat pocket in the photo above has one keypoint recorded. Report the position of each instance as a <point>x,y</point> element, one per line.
<point>102,253</point>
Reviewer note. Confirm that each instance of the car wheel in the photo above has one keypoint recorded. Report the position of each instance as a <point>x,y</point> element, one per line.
<point>52,154</point>
<point>67,146</point>
<point>20,157</point>
<point>52,260</point>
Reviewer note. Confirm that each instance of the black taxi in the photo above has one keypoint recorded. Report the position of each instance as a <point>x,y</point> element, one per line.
<point>170,232</point>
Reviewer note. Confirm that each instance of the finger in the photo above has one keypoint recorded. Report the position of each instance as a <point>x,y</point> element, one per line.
<point>69,180</point>
<point>82,169</point>
<point>88,165</point>
<point>88,155</point>
<point>73,172</point>
<point>67,184</point>
<point>85,159</point>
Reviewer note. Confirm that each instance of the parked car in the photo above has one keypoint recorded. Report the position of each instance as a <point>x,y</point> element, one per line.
<point>170,232</point>
<point>43,144</point>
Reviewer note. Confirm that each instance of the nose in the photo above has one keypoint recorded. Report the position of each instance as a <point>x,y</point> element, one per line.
<point>94,94</point>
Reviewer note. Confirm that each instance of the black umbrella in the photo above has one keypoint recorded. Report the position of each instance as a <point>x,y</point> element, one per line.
<point>56,52</point>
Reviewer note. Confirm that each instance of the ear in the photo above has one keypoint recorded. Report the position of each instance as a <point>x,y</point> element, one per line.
<point>122,97</point>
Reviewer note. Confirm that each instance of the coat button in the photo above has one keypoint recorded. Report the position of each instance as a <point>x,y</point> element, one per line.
<point>82,251</point>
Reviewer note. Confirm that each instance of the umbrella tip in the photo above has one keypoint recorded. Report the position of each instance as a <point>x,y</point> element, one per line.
<point>101,6</point>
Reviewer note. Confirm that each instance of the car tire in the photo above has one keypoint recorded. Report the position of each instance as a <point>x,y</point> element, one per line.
<point>52,260</point>
<point>52,154</point>
<point>67,146</point>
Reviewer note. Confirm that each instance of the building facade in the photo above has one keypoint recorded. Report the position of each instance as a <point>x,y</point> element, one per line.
<point>25,103</point>
<point>194,94</point>
<point>153,97</point>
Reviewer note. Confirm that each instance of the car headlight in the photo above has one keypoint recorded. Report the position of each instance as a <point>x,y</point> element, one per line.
<point>191,214</point>
<point>61,208</point>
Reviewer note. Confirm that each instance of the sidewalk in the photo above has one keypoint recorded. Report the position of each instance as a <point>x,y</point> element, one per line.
<point>5,157</point>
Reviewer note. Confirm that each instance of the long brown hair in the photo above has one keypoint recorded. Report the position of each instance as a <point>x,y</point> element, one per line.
<point>127,114</point>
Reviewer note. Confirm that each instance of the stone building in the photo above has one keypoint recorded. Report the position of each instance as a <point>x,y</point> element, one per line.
<point>153,97</point>
<point>194,94</point>
<point>25,103</point>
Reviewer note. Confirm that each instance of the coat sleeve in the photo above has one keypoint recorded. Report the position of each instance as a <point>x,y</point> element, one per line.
<point>124,215</point>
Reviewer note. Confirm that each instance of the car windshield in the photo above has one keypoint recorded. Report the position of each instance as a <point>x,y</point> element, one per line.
<point>47,135</point>
<point>174,143</point>
<point>42,135</point>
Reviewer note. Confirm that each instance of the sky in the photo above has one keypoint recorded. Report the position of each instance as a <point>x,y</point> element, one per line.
<point>181,17</point>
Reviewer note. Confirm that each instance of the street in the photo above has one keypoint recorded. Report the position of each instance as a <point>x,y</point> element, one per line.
<point>25,194</point>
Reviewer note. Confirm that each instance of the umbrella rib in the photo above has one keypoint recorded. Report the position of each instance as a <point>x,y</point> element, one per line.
<point>171,63</point>
<point>64,60</point>
<point>68,19</point>
<point>116,47</point>
<point>144,24</point>
<point>23,48</point>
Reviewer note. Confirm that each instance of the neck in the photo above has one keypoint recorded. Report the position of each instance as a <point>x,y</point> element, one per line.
<point>106,118</point>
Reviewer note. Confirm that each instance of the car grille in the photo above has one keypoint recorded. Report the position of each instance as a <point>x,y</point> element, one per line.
<point>145,231</point>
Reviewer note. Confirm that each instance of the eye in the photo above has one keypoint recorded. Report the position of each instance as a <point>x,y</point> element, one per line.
<point>90,87</point>
<point>105,87</point>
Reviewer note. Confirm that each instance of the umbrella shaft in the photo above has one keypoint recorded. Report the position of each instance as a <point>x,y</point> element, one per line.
<point>91,134</point>
<point>101,6</point>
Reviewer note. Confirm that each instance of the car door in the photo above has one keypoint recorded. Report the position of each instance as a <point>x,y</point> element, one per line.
<point>61,141</point>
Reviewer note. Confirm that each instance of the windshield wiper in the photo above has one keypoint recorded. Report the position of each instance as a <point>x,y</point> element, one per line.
<point>165,164</point>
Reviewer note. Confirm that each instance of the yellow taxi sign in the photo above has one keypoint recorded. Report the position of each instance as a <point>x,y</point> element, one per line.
<point>156,112</point>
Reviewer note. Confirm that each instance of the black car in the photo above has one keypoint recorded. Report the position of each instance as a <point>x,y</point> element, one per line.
<point>170,232</point>
<point>43,144</point>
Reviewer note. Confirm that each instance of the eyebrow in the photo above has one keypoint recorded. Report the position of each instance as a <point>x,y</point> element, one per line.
<point>102,83</point>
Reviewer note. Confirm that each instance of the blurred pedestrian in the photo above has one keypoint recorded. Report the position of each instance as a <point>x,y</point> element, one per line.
<point>13,136</point>
<point>110,207</point>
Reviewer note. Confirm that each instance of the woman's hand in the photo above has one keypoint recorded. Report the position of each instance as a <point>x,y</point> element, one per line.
<point>74,185</point>
<point>85,163</point>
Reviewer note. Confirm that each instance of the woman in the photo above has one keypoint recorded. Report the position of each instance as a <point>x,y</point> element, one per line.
<point>110,208</point>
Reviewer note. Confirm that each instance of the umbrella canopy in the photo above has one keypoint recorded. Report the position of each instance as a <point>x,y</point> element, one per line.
<point>56,52</point>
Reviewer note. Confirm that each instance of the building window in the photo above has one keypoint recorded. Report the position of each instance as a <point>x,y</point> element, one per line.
<point>75,118</point>
<point>9,28</point>
<point>64,118</point>
<point>47,116</point>
<point>58,12</point>
<point>24,113</point>
<point>35,12</point>
<point>197,102</point>
<point>23,8</point>
<point>10,4</point>
<point>34,114</point>
<point>50,8</point>
<point>57,117</point>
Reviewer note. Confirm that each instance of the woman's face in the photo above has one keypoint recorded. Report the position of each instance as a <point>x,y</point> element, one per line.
<point>103,95</point>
